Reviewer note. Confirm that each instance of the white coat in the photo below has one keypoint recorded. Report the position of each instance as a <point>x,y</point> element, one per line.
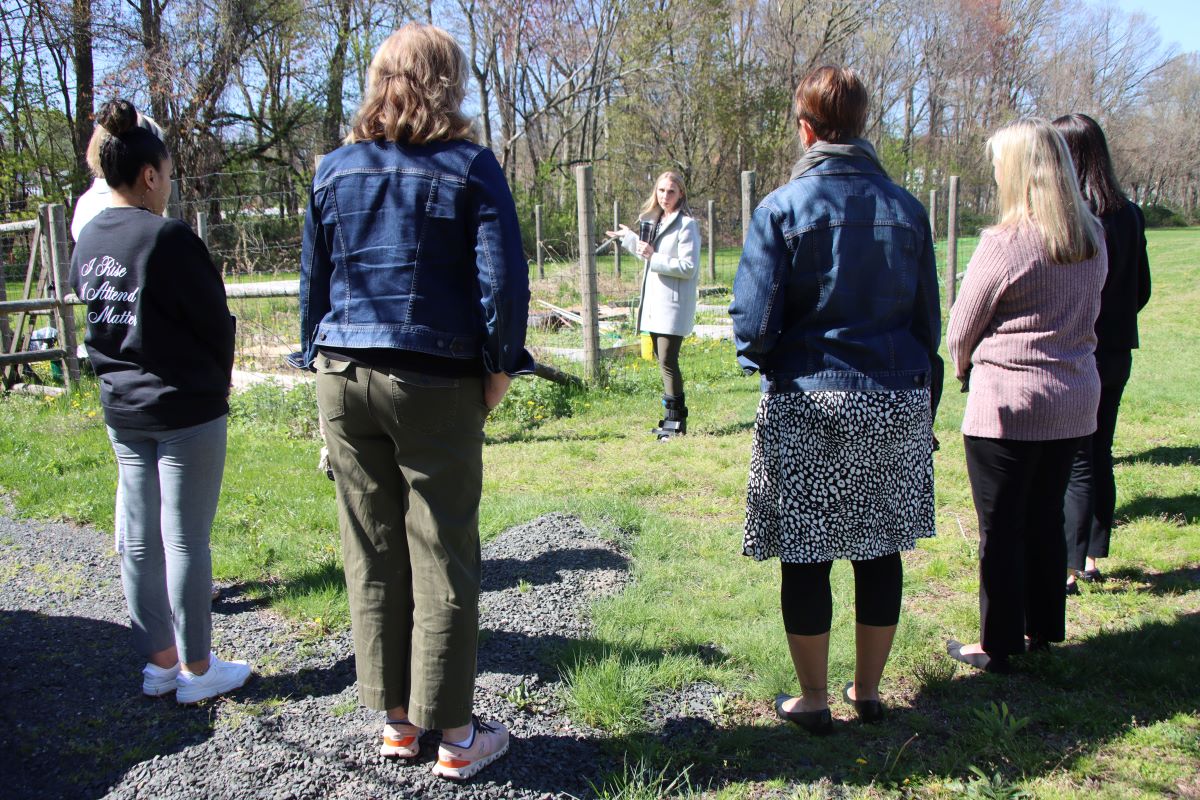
<point>671,277</point>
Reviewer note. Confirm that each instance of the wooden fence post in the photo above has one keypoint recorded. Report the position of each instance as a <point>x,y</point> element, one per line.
<point>61,259</point>
<point>585,204</point>
<point>933,214</point>
<point>202,226</point>
<point>175,204</point>
<point>712,241</point>
<point>747,201</point>
<point>537,234</point>
<point>952,243</point>
<point>617,243</point>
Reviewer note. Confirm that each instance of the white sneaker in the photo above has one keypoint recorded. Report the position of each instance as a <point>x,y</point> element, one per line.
<point>459,763</point>
<point>157,681</point>
<point>401,740</point>
<point>222,677</point>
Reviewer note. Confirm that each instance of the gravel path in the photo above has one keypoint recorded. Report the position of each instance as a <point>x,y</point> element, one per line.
<point>74,725</point>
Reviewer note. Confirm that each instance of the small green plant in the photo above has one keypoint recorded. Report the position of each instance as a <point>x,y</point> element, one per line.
<point>639,781</point>
<point>995,787</point>
<point>933,675</point>
<point>343,708</point>
<point>523,586</point>
<point>520,696</point>
<point>998,723</point>
<point>534,401</point>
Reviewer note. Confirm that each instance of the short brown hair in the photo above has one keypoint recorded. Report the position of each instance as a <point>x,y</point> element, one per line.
<point>415,87</point>
<point>834,102</point>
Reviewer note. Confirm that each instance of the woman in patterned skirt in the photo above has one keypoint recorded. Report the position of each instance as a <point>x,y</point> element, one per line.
<point>836,304</point>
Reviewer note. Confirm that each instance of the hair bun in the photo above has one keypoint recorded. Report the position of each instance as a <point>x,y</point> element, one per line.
<point>117,116</point>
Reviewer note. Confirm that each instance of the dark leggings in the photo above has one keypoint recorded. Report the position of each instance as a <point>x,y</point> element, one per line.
<point>666,349</point>
<point>808,602</point>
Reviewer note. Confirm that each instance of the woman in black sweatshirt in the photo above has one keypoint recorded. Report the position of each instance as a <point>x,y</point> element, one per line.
<point>160,338</point>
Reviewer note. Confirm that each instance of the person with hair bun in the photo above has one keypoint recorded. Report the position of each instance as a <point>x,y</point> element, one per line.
<point>99,195</point>
<point>836,305</point>
<point>1022,336</point>
<point>160,338</point>
<point>1091,498</point>
<point>667,310</point>
<point>414,295</point>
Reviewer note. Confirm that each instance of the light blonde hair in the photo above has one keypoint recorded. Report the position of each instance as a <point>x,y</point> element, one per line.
<point>99,134</point>
<point>415,87</point>
<point>652,210</point>
<point>1037,186</point>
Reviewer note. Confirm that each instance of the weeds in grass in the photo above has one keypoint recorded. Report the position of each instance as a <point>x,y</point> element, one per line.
<point>343,708</point>
<point>995,787</point>
<point>998,724</point>
<point>933,674</point>
<point>639,781</point>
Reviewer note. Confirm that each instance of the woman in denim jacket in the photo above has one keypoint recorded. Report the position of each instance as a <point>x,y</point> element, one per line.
<point>414,295</point>
<point>836,304</point>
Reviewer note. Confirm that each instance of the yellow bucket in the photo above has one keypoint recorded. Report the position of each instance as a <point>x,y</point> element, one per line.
<point>647,347</point>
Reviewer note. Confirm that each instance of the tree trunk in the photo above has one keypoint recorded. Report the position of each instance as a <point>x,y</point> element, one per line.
<point>84,97</point>
<point>332,128</point>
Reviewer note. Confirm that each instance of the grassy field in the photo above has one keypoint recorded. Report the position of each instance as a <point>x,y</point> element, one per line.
<point>1113,713</point>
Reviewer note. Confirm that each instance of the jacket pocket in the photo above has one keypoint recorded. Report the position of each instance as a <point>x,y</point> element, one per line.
<point>332,377</point>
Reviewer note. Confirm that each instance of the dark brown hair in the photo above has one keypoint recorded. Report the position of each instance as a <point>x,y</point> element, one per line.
<point>834,101</point>
<point>1093,165</point>
<point>128,147</point>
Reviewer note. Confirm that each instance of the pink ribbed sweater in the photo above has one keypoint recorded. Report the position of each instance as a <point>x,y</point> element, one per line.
<point>1026,326</point>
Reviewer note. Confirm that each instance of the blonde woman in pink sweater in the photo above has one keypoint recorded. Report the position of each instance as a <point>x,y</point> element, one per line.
<point>1023,334</point>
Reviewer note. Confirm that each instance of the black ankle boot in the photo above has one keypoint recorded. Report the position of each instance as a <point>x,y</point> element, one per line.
<point>674,421</point>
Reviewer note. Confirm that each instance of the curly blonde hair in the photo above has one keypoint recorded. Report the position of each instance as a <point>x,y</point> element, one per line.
<point>415,87</point>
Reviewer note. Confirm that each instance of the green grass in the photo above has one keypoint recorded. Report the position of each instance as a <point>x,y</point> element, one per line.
<point>1112,714</point>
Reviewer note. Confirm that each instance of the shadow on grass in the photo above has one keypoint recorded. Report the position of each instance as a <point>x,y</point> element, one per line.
<point>1062,706</point>
<point>1163,456</point>
<point>1185,508</point>
<point>733,428</point>
<point>72,716</point>
<point>1172,582</point>
<point>535,436</point>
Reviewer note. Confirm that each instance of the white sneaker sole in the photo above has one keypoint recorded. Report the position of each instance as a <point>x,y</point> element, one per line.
<point>402,751</point>
<point>186,698</point>
<point>463,773</point>
<point>151,690</point>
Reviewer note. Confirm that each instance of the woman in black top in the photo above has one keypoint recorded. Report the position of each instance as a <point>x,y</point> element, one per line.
<point>160,338</point>
<point>1092,493</point>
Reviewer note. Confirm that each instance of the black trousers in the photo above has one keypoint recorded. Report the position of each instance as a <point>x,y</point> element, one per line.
<point>666,350</point>
<point>1091,499</point>
<point>1018,489</point>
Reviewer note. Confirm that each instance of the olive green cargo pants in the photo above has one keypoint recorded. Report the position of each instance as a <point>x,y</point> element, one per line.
<point>407,456</point>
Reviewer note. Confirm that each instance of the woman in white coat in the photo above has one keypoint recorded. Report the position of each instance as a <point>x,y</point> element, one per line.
<point>670,248</point>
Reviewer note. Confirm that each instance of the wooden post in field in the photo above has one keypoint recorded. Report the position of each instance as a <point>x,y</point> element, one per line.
<point>202,226</point>
<point>585,203</point>
<point>747,201</point>
<point>175,204</point>
<point>952,242</point>
<point>617,243</point>
<point>712,240</point>
<point>60,258</point>
<point>933,213</point>
<point>537,235</point>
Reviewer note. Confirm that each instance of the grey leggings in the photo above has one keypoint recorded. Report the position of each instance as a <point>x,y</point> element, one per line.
<point>169,483</point>
<point>666,350</point>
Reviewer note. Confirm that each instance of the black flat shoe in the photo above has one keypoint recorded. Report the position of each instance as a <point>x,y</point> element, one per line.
<point>1073,588</point>
<point>1089,576</point>
<point>818,723</point>
<point>997,664</point>
<point>869,711</point>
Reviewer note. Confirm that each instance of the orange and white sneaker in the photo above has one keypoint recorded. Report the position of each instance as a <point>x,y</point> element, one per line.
<point>459,763</point>
<point>401,740</point>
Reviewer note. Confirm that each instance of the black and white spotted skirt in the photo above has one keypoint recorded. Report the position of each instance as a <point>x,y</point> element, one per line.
<point>839,475</point>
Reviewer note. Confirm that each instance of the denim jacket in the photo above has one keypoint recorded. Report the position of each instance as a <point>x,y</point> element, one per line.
<point>837,288</point>
<point>414,247</point>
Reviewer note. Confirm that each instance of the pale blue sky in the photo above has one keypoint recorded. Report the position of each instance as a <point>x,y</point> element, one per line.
<point>1178,20</point>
